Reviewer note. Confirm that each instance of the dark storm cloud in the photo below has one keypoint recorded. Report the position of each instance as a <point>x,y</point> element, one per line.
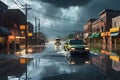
<point>55,11</point>
<point>93,9</point>
<point>67,3</point>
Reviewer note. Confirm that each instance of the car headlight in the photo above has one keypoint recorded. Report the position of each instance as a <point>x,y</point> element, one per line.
<point>72,48</point>
<point>87,48</point>
<point>72,62</point>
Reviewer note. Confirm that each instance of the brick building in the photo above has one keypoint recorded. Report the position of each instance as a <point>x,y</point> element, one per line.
<point>14,18</point>
<point>115,36</point>
<point>88,30</point>
<point>106,23</point>
<point>96,30</point>
<point>101,27</point>
<point>4,32</point>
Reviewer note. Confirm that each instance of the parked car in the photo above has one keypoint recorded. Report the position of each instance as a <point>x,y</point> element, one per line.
<point>75,46</point>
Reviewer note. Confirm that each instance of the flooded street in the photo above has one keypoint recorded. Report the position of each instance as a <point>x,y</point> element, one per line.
<point>55,64</point>
<point>59,40</point>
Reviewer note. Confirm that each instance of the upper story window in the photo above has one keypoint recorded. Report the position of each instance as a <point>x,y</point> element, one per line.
<point>0,9</point>
<point>103,28</point>
<point>114,23</point>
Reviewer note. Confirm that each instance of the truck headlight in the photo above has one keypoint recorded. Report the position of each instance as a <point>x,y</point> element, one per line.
<point>72,48</point>
<point>87,48</point>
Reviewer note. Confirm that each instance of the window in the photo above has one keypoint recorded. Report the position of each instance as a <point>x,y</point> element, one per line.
<point>102,28</point>
<point>114,24</point>
<point>76,42</point>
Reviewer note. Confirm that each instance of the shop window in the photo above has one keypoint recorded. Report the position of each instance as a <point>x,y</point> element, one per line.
<point>102,28</point>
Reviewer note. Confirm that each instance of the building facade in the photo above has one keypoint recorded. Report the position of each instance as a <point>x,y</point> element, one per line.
<point>88,30</point>
<point>99,30</point>
<point>106,23</point>
<point>115,37</point>
<point>96,32</point>
<point>15,18</point>
<point>4,32</point>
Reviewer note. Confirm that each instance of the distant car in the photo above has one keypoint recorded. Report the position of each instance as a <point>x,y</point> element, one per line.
<point>76,46</point>
<point>57,43</point>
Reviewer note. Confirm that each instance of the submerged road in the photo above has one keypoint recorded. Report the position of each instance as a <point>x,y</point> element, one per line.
<point>55,64</point>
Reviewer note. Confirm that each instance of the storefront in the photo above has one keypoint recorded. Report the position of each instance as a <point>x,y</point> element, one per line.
<point>4,32</point>
<point>14,40</point>
<point>1,43</point>
<point>115,37</point>
<point>95,38</point>
<point>105,38</point>
<point>86,37</point>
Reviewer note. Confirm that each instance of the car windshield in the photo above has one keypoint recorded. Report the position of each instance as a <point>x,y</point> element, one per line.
<point>77,42</point>
<point>57,40</point>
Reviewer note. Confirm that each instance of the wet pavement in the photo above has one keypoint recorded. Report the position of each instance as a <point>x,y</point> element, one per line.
<point>50,63</point>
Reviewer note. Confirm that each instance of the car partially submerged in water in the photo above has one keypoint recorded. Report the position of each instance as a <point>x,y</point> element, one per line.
<point>75,46</point>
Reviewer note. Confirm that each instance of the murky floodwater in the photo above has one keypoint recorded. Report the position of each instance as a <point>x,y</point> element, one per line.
<point>54,64</point>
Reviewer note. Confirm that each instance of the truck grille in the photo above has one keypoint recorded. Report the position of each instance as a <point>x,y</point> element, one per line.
<point>79,48</point>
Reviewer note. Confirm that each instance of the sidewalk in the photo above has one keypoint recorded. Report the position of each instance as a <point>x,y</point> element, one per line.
<point>104,46</point>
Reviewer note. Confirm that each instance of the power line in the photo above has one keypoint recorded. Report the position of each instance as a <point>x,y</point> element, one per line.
<point>20,2</point>
<point>19,6</point>
<point>54,29</point>
<point>54,17</point>
<point>16,3</point>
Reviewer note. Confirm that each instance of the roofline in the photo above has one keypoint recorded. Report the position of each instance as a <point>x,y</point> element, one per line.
<point>16,10</point>
<point>108,10</point>
<point>4,4</point>
<point>94,19</point>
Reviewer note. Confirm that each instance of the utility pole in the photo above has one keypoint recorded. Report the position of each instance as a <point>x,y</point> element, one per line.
<point>39,27</point>
<point>38,37</point>
<point>26,33</point>
<point>35,27</point>
<point>26,26</point>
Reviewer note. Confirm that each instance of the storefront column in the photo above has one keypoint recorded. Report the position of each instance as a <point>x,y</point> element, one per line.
<point>110,41</point>
<point>115,42</point>
<point>104,41</point>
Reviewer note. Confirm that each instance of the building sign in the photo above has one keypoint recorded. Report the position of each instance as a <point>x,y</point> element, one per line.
<point>22,27</point>
<point>30,34</point>
<point>115,29</point>
<point>22,61</point>
<point>103,34</point>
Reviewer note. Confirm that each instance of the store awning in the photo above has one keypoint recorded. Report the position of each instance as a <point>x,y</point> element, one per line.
<point>91,36</point>
<point>96,35</point>
<point>4,31</point>
<point>114,34</point>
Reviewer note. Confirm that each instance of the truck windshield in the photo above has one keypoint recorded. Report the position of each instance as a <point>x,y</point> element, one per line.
<point>77,42</point>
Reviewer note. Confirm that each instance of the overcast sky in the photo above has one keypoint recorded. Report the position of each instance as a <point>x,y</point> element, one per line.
<point>60,17</point>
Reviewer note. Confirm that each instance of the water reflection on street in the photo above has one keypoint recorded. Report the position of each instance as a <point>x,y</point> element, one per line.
<point>49,63</point>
